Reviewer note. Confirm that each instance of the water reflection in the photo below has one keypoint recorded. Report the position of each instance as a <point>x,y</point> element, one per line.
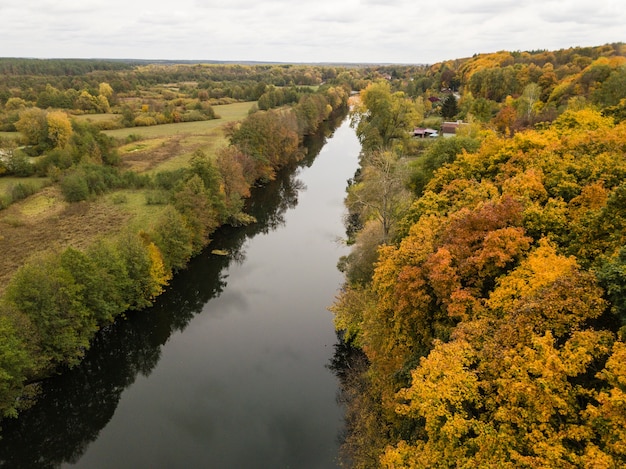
<point>75,406</point>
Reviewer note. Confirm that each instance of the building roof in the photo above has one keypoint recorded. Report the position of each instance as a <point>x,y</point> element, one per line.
<point>423,132</point>
<point>450,127</point>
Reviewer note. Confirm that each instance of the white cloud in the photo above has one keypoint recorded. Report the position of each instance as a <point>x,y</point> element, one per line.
<point>307,31</point>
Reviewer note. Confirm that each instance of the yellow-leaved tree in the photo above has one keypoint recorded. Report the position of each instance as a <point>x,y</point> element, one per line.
<point>59,129</point>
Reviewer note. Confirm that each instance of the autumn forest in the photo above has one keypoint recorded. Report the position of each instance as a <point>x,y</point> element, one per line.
<point>485,293</point>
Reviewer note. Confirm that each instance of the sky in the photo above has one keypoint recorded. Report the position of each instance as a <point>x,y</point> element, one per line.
<point>297,31</point>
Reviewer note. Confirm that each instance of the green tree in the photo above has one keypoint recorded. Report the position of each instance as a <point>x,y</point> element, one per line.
<point>380,193</point>
<point>192,200</point>
<point>382,116</point>
<point>47,293</point>
<point>142,285</point>
<point>174,239</point>
<point>450,108</point>
<point>98,287</point>
<point>613,89</point>
<point>16,358</point>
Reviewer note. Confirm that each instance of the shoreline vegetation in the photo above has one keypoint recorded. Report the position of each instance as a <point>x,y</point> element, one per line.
<point>95,222</point>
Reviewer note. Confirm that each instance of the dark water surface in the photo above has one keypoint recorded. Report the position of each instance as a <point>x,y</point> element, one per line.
<point>228,369</point>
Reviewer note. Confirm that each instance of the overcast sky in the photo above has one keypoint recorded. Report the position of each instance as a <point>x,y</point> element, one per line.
<point>373,31</point>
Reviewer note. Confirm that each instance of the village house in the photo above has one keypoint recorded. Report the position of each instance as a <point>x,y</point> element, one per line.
<point>420,132</point>
<point>450,128</point>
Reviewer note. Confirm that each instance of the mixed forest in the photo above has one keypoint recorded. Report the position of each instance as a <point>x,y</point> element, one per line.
<point>483,316</point>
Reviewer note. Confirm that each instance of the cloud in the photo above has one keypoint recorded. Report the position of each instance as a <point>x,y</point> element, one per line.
<point>490,7</point>
<point>321,31</point>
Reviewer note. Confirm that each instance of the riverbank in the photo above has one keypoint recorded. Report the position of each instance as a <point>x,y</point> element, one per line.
<point>231,356</point>
<point>53,305</point>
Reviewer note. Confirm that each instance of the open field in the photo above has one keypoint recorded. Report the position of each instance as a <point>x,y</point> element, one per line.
<point>45,221</point>
<point>227,113</point>
<point>170,146</point>
<point>6,183</point>
<point>99,118</point>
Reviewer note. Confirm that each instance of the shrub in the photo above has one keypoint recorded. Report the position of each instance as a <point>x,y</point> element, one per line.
<point>5,201</point>
<point>133,138</point>
<point>144,121</point>
<point>22,190</point>
<point>74,187</point>
<point>19,164</point>
<point>157,197</point>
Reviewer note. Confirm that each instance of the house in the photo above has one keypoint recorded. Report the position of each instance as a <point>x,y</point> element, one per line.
<point>422,133</point>
<point>450,128</point>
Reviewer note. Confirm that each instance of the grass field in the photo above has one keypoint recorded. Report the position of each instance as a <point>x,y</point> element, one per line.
<point>6,183</point>
<point>170,146</point>
<point>227,113</point>
<point>45,221</point>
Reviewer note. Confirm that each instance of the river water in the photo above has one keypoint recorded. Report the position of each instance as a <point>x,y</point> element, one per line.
<point>229,368</point>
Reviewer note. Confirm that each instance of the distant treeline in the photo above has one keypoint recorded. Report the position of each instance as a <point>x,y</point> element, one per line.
<point>59,67</point>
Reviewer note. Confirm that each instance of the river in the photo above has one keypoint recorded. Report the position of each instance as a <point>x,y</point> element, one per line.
<point>229,368</point>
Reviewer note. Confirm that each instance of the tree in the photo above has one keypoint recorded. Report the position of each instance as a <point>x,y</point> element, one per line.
<point>381,194</point>
<point>47,293</point>
<point>33,126</point>
<point>98,292</point>
<point>144,270</point>
<point>236,183</point>
<point>104,89</point>
<point>383,116</point>
<point>450,107</point>
<point>193,202</point>
<point>16,358</point>
<point>174,239</point>
<point>529,100</point>
<point>270,138</point>
<point>59,129</point>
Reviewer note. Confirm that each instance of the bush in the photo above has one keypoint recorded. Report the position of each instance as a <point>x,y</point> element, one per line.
<point>144,121</point>
<point>194,116</point>
<point>158,197</point>
<point>19,164</point>
<point>61,159</point>
<point>74,187</point>
<point>133,180</point>
<point>22,190</point>
<point>133,138</point>
<point>5,201</point>
<point>168,179</point>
